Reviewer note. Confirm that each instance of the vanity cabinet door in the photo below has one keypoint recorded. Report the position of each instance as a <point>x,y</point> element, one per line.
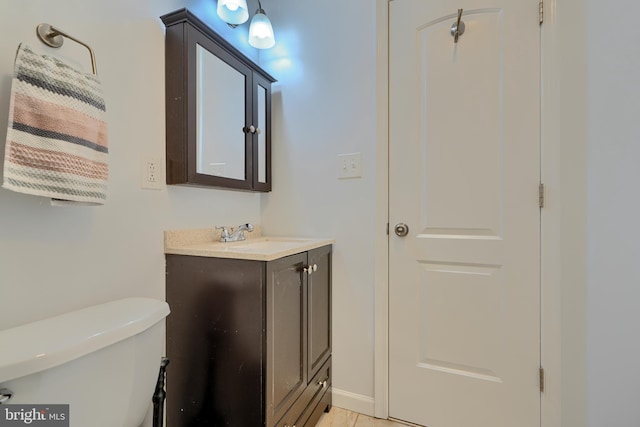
<point>215,342</point>
<point>319,309</point>
<point>286,335</point>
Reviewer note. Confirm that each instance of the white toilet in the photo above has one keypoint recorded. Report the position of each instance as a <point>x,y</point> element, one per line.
<point>103,361</point>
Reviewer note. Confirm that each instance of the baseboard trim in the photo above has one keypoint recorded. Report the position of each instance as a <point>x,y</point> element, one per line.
<point>353,402</point>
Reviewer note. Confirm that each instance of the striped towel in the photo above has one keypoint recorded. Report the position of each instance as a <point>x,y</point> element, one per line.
<point>57,137</point>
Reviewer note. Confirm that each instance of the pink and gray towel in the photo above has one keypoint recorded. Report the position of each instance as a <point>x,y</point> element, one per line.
<point>57,136</point>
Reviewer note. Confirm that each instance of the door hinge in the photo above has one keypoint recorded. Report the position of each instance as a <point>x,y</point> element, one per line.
<point>387,229</point>
<point>541,195</point>
<point>541,11</point>
<point>541,379</point>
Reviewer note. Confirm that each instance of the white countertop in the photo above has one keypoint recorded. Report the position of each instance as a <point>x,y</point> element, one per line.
<point>205,243</point>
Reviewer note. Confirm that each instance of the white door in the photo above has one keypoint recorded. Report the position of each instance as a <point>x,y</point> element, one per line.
<point>464,301</point>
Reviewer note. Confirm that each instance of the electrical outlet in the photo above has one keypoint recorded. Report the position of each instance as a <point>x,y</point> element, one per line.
<point>349,165</point>
<point>151,174</point>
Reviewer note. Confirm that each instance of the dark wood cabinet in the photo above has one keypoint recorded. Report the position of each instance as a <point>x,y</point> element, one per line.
<point>218,109</point>
<point>249,341</point>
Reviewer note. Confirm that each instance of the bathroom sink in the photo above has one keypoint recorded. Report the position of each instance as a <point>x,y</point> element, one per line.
<point>257,248</point>
<point>265,244</point>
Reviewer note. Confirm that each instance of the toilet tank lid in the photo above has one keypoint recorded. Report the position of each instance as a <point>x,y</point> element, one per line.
<point>47,343</point>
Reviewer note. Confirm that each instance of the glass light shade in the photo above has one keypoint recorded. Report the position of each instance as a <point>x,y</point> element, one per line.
<point>261,32</point>
<point>233,12</point>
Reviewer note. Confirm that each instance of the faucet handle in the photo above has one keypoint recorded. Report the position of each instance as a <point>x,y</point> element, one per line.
<point>225,231</point>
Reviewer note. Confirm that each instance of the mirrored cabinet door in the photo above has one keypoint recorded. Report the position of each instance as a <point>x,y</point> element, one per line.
<point>262,148</point>
<point>262,143</point>
<point>220,121</point>
<point>218,105</point>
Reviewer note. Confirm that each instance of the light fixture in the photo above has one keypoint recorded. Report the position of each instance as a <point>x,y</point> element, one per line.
<point>233,12</point>
<point>260,31</point>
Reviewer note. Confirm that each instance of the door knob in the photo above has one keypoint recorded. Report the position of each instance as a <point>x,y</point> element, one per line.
<point>401,229</point>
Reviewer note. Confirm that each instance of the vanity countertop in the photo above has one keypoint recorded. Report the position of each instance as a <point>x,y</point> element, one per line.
<point>206,243</point>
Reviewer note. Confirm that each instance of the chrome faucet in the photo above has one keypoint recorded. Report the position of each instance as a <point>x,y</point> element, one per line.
<point>235,235</point>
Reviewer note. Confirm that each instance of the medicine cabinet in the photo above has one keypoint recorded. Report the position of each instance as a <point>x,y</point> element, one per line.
<point>218,109</point>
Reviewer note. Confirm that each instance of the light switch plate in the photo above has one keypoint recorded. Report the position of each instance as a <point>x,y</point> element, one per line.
<point>349,165</point>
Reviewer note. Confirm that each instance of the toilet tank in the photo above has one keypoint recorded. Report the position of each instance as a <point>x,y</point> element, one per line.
<point>102,361</point>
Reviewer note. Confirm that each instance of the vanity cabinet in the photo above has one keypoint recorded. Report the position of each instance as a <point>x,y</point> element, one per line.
<point>218,109</point>
<point>249,341</point>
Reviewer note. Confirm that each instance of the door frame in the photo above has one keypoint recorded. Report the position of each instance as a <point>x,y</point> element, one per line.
<point>551,273</point>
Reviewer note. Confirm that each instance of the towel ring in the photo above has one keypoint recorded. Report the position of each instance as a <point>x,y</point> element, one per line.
<point>52,36</point>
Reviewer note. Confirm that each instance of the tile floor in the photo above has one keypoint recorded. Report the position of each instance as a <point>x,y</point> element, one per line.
<point>339,417</point>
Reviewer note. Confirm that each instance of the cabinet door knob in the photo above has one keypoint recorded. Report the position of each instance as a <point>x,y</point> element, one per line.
<point>315,267</point>
<point>252,129</point>
<point>323,383</point>
<point>258,130</point>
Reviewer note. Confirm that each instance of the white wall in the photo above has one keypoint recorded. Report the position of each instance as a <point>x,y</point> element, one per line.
<point>592,162</point>
<point>325,105</point>
<point>613,285</point>
<point>54,260</point>
<point>564,153</point>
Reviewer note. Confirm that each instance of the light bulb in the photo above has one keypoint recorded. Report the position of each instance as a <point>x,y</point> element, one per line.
<point>261,32</point>
<point>234,12</point>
